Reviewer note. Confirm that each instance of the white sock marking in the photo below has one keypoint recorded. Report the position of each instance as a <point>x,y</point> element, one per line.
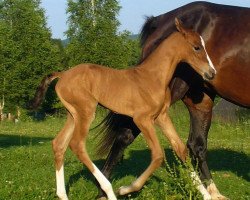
<point>208,58</point>
<point>60,184</point>
<point>200,186</point>
<point>104,183</point>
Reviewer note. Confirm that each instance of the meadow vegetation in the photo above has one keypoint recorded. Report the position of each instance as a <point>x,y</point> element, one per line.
<point>28,52</point>
<point>27,167</point>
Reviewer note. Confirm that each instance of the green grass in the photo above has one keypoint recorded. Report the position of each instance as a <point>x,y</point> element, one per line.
<point>27,167</point>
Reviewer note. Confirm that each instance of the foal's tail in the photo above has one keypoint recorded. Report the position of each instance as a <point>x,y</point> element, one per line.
<point>41,90</point>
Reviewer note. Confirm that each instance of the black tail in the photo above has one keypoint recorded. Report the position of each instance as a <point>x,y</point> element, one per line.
<point>41,91</point>
<point>112,128</point>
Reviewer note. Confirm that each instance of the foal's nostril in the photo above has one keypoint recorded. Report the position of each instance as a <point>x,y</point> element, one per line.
<point>212,71</point>
<point>209,76</point>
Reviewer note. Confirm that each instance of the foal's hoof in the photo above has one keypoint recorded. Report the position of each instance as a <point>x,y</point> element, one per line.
<point>63,197</point>
<point>134,187</point>
<point>219,197</point>
<point>102,198</point>
<point>123,190</point>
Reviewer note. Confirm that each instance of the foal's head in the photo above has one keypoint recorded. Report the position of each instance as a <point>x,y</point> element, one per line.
<point>194,53</point>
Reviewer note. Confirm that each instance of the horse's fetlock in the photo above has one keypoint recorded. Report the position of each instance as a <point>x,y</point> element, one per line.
<point>136,186</point>
<point>107,187</point>
<point>159,160</point>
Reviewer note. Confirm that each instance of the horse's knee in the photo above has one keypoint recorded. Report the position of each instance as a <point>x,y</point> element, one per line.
<point>158,161</point>
<point>157,158</point>
<point>198,148</point>
<point>198,153</point>
<point>180,149</point>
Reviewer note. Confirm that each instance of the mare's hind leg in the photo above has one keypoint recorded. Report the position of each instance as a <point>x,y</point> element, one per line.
<point>147,128</point>
<point>59,146</point>
<point>83,119</point>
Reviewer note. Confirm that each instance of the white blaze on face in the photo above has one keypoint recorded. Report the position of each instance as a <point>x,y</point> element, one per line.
<point>208,58</point>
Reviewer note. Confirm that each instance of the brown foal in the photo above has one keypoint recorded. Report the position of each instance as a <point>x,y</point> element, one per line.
<point>139,92</point>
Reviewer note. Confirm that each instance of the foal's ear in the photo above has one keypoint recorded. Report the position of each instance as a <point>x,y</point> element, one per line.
<point>180,27</point>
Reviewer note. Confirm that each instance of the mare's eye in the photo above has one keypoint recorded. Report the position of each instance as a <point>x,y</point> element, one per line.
<point>197,48</point>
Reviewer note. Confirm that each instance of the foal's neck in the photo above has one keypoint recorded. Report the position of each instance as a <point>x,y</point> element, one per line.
<point>162,62</point>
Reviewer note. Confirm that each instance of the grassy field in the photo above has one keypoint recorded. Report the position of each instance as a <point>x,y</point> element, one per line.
<point>27,168</point>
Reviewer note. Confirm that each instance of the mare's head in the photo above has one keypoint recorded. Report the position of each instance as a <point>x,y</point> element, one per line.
<point>194,52</point>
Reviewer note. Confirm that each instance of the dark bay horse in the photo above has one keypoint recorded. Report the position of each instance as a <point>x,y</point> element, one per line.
<point>226,31</point>
<point>144,95</point>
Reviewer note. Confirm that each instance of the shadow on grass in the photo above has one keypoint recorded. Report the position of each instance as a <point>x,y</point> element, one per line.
<point>137,161</point>
<point>134,165</point>
<point>229,160</point>
<point>7,141</point>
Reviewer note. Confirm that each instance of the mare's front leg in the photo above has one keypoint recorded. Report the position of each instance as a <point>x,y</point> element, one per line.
<point>147,127</point>
<point>200,108</point>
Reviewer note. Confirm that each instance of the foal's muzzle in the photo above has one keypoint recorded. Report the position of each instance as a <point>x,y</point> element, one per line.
<point>210,74</point>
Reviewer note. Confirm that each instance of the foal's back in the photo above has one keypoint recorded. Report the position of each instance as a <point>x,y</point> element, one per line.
<point>112,88</point>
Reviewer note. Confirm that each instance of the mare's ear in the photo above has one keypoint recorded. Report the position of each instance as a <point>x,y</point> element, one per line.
<point>180,26</point>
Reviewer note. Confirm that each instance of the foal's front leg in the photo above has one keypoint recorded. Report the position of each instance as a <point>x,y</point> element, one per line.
<point>169,131</point>
<point>147,128</point>
<point>180,149</point>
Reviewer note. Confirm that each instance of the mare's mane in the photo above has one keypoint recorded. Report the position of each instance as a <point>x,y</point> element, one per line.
<point>196,21</point>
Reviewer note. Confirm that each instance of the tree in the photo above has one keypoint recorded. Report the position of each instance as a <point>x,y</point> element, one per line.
<point>93,34</point>
<point>26,50</point>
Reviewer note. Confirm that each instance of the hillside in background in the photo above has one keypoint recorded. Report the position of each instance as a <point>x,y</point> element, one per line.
<point>133,37</point>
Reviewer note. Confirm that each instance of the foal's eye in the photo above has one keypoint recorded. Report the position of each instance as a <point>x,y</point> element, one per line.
<point>197,48</point>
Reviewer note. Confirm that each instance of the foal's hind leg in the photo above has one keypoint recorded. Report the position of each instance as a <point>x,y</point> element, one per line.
<point>83,120</point>
<point>147,128</point>
<point>59,146</point>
